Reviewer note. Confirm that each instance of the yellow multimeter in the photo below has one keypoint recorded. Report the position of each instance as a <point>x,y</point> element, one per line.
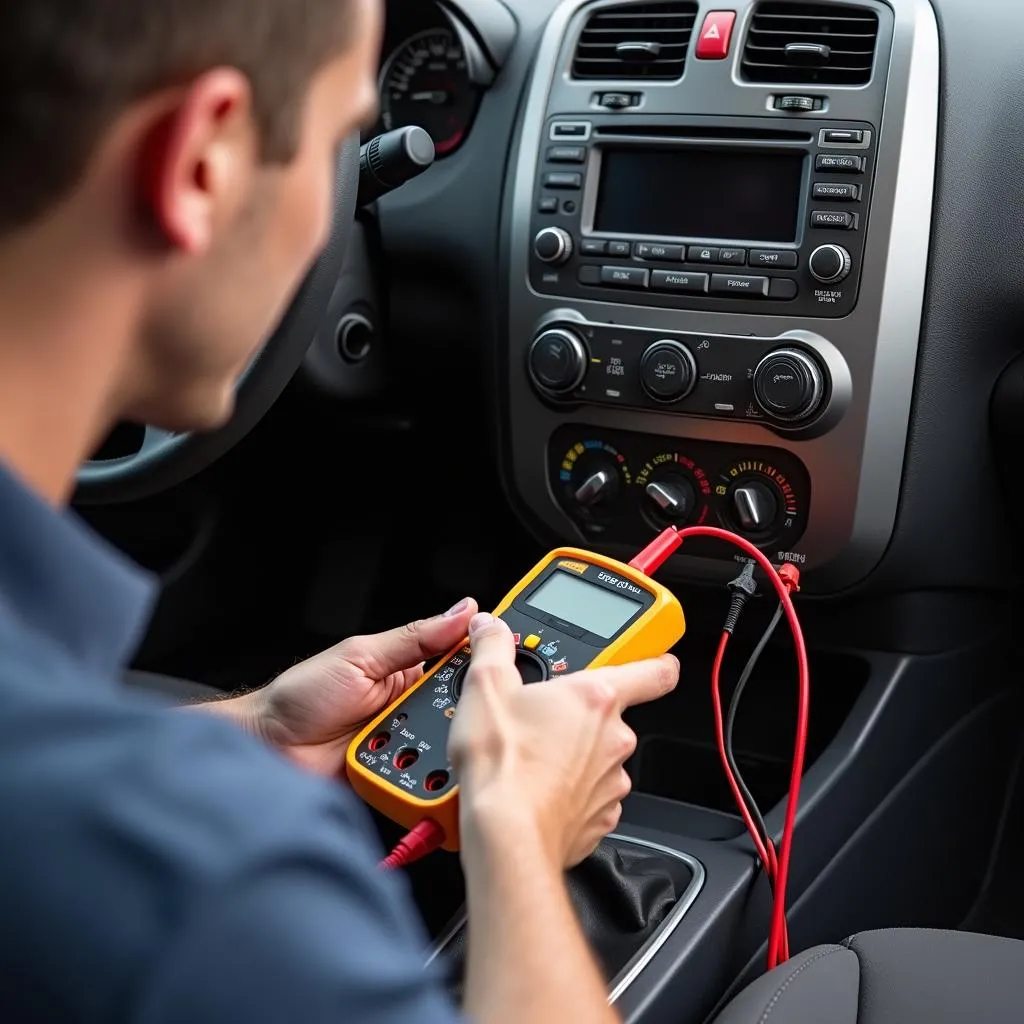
<point>573,610</point>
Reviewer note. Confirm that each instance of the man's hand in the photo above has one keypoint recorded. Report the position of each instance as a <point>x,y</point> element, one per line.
<point>314,710</point>
<point>548,758</point>
<point>541,782</point>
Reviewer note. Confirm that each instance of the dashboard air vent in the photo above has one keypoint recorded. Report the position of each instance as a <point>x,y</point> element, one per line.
<point>810,44</point>
<point>641,40</point>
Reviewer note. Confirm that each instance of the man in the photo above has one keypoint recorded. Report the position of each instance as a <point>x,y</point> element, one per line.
<point>164,186</point>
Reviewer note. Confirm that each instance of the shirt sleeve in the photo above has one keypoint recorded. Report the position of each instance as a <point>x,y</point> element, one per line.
<point>298,941</point>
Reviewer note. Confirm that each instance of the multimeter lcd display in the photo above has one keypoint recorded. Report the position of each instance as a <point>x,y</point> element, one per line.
<point>590,607</point>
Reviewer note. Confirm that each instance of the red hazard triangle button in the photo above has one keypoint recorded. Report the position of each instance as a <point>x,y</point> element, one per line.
<point>715,35</point>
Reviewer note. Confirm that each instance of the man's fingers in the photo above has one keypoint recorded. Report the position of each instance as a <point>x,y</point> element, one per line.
<point>494,651</point>
<point>402,648</point>
<point>638,682</point>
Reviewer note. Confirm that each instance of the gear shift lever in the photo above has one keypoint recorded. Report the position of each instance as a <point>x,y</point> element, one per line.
<point>392,159</point>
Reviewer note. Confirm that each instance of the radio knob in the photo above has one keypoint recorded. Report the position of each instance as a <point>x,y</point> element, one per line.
<point>668,371</point>
<point>754,507</point>
<point>553,245</point>
<point>557,360</point>
<point>829,264</point>
<point>788,384</point>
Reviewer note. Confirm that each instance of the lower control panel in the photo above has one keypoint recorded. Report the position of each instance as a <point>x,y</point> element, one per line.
<point>779,381</point>
<point>620,487</point>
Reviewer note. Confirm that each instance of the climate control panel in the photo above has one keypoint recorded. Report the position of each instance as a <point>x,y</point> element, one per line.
<point>620,486</point>
<point>774,380</point>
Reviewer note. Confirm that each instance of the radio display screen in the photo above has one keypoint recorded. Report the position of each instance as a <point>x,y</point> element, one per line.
<point>691,193</point>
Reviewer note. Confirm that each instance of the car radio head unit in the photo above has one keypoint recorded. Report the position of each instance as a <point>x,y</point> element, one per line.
<point>683,214</point>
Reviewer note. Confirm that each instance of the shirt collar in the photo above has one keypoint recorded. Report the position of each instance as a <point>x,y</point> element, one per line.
<point>67,585</point>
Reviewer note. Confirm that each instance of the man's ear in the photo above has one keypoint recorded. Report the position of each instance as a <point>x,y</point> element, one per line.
<point>198,159</point>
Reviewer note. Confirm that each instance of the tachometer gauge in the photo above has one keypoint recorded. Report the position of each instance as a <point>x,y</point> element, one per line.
<point>425,82</point>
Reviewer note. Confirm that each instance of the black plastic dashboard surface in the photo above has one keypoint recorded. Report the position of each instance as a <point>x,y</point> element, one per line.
<point>441,234</point>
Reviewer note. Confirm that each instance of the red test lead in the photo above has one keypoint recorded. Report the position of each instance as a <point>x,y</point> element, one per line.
<point>416,844</point>
<point>785,581</point>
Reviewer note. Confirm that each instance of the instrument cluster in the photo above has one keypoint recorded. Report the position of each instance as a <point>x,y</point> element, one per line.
<point>425,75</point>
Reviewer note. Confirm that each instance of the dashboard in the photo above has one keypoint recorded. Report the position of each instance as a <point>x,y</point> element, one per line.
<point>726,271</point>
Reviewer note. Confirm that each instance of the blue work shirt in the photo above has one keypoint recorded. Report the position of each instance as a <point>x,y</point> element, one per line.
<point>161,866</point>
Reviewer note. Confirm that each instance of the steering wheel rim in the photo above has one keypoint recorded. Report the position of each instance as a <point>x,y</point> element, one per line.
<point>167,459</point>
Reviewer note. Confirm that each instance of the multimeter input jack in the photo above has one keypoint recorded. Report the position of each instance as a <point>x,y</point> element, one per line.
<point>406,758</point>
<point>380,741</point>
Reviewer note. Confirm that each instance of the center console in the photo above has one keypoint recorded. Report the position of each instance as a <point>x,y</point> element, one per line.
<point>716,240</point>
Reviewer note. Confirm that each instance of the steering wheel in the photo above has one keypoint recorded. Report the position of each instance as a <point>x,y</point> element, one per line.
<point>166,459</point>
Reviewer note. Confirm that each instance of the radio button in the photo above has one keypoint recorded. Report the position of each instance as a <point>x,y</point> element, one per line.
<point>785,259</point>
<point>839,162</point>
<point>739,285</point>
<point>836,191</point>
<point>657,251</point>
<point>732,257</point>
<point>570,130</point>
<point>679,281</point>
<point>563,180</point>
<point>589,273</point>
<point>625,277</point>
<point>619,248</point>
<point>841,219</point>
<point>593,247</point>
<point>841,137</point>
<point>782,288</point>
<point>567,154</point>
<point>548,204</point>
<point>702,254</point>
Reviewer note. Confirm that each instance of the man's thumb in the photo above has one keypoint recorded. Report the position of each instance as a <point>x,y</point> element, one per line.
<point>402,648</point>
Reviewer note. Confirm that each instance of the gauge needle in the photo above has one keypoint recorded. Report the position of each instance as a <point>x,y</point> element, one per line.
<point>435,96</point>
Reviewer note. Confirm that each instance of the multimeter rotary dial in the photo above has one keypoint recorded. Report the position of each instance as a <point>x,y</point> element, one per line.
<point>532,668</point>
<point>675,490</point>
<point>595,477</point>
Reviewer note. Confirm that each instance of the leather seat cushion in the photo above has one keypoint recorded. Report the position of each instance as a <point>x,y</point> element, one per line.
<point>897,976</point>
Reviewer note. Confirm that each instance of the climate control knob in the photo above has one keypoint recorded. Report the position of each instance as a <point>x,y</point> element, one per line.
<point>674,498</point>
<point>598,487</point>
<point>754,507</point>
<point>829,264</point>
<point>553,245</point>
<point>557,361</point>
<point>668,371</point>
<point>789,385</point>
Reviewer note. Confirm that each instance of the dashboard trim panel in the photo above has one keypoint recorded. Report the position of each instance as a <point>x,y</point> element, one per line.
<point>856,467</point>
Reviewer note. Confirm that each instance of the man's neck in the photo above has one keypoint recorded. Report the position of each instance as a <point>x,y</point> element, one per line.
<point>64,332</point>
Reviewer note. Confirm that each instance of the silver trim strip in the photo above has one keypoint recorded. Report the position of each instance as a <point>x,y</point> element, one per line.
<point>856,468</point>
<point>640,960</point>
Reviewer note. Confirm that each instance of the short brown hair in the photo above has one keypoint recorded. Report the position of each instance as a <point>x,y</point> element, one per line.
<point>68,68</point>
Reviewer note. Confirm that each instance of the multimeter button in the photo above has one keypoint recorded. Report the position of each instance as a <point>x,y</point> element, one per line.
<point>531,642</point>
